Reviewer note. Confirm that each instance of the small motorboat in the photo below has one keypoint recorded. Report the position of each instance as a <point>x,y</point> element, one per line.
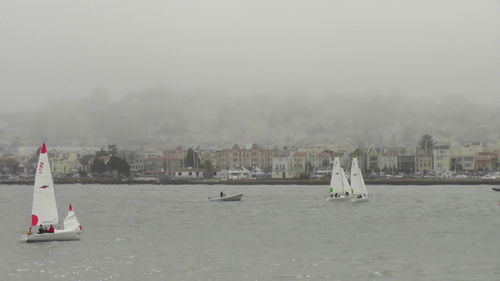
<point>496,188</point>
<point>235,197</point>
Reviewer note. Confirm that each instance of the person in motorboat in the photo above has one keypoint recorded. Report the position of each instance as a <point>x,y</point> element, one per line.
<point>41,229</point>
<point>51,229</point>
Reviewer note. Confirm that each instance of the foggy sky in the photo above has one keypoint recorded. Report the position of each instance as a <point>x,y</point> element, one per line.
<point>165,118</point>
<point>53,50</point>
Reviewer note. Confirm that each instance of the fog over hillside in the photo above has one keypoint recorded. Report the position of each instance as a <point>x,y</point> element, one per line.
<point>168,118</point>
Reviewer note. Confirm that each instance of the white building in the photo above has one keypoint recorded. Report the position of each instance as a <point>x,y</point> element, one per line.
<point>188,174</point>
<point>463,158</point>
<point>137,166</point>
<point>442,159</point>
<point>281,168</point>
<point>388,160</point>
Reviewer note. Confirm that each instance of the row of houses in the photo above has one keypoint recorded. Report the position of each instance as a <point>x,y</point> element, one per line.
<point>253,161</point>
<point>441,159</point>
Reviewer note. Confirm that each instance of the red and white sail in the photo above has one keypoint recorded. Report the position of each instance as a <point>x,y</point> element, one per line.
<point>71,222</point>
<point>44,210</point>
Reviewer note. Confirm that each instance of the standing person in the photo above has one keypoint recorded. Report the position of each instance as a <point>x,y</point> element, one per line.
<point>221,194</point>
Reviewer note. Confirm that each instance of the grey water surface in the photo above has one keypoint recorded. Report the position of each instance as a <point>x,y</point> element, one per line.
<point>150,232</point>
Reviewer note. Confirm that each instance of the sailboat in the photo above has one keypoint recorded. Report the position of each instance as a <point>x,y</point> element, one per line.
<point>44,209</point>
<point>339,185</point>
<point>359,192</point>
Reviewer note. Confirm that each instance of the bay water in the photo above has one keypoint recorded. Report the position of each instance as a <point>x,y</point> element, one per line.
<point>153,232</point>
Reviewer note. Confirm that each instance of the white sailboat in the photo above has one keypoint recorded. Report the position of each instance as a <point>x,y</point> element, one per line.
<point>359,192</point>
<point>339,185</point>
<point>44,210</point>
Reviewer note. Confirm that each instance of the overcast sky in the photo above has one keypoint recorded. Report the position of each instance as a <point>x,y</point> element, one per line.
<point>68,49</point>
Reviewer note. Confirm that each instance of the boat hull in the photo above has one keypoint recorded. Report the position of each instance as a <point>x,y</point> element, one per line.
<point>235,197</point>
<point>62,235</point>
<point>362,199</point>
<point>341,198</point>
<point>496,188</point>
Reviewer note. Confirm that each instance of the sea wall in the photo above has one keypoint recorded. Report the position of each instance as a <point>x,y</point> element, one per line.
<point>110,180</point>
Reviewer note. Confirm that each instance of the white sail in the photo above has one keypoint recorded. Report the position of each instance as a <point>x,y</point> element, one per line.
<point>345,182</point>
<point>336,183</point>
<point>44,209</point>
<point>355,177</point>
<point>357,183</point>
<point>363,185</point>
<point>71,222</point>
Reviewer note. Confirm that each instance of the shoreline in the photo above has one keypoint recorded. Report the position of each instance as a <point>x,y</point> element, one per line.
<point>119,181</point>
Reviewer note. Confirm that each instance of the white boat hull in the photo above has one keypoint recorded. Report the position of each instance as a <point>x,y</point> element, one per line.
<point>362,199</point>
<point>59,235</point>
<point>235,197</point>
<point>341,198</point>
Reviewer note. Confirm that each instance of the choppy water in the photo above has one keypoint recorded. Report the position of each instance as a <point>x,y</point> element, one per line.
<point>275,233</point>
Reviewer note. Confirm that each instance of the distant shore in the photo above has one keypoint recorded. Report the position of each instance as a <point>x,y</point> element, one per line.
<point>119,181</point>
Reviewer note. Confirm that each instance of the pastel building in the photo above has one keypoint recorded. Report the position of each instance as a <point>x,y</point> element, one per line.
<point>65,163</point>
<point>486,161</point>
<point>245,157</point>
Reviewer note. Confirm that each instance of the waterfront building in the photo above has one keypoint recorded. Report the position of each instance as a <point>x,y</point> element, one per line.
<point>63,163</point>
<point>281,168</point>
<point>424,161</point>
<point>298,164</point>
<point>406,163</point>
<point>372,160</point>
<point>245,157</point>
<point>137,166</point>
<point>463,157</point>
<point>187,173</point>
<point>163,165</point>
<point>388,159</point>
<point>177,153</point>
<point>442,159</point>
<point>486,161</point>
